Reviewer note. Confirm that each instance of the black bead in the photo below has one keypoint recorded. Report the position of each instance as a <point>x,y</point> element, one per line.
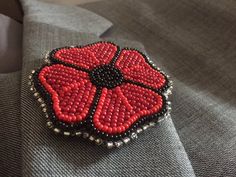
<point>106,76</point>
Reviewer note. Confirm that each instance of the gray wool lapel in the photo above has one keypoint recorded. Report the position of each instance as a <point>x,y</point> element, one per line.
<point>157,152</point>
<point>69,17</point>
<point>10,138</point>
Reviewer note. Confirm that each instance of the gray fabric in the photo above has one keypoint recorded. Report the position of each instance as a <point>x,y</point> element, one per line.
<point>10,44</point>
<point>195,41</point>
<point>70,17</point>
<point>158,152</point>
<point>10,146</point>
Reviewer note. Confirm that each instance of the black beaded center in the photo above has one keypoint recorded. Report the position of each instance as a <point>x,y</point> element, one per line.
<point>106,76</point>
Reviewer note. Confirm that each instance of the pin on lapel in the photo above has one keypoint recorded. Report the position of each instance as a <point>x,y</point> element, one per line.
<point>101,92</point>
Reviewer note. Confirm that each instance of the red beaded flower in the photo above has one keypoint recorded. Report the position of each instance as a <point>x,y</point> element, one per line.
<point>101,91</point>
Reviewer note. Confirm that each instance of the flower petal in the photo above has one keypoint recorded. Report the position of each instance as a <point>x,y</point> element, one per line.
<point>71,91</point>
<point>122,106</point>
<point>87,57</point>
<point>135,67</point>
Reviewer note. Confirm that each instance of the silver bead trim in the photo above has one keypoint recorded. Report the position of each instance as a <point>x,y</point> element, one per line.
<point>126,140</point>
<point>49,124</point>
<point>78,133</point>
<point>66,133</point>
<point>99,141</point>
<point>152,124</point>
<point>36,94</point>
<point>91,138</point>
<point>133,136</point>
<point>145,127</point>
<point>85,135</point>
<point>139,130</point>
<point>118,143</point>
<point>56,130</point>
<point>109,145</point>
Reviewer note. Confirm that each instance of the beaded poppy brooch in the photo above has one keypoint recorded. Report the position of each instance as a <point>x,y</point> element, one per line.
<point>101,92</point>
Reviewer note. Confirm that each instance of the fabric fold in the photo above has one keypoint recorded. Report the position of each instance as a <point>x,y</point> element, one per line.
<point>76,18</point>
<point>10,44</point>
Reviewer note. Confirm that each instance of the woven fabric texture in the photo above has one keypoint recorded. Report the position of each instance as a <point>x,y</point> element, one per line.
<point>195,41</point>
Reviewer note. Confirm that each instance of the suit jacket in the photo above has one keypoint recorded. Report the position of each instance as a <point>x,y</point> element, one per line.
<point>181,40</point>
